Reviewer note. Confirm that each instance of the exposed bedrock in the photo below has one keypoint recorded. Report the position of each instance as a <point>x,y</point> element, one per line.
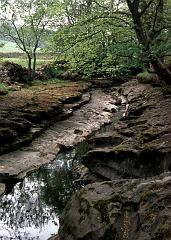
<point>134,156</point>
<point>26,113</point>
<point>124,209</point>
<point>139,145</point>
<point>63,134</point>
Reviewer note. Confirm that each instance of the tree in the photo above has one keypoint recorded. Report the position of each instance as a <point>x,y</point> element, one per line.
<point>96,36</point>
<point>25,23</point>
<point>127,32</point>
<point>152,25</point>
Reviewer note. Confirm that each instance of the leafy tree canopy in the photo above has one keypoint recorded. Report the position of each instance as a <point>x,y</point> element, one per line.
<point>25,22</point>
<point>97,37</point>
<point>104,36</point>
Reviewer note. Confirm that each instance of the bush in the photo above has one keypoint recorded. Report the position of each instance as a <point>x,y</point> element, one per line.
<point>128,70</point>
<point>68,75</point>
<point>49,71</point>
<point>147,77</point>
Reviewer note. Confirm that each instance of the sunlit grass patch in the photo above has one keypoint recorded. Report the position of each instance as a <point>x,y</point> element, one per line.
<point>23,61</point>
<point>9,47</point>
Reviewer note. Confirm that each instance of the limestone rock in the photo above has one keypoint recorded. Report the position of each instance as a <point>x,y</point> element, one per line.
<point>139,145</point>
<point>119,210</point>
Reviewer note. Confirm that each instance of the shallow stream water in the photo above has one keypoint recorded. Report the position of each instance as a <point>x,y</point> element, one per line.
<point>30,210</point>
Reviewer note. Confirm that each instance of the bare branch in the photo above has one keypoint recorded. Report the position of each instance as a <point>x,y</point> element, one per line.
<point>145,8</point>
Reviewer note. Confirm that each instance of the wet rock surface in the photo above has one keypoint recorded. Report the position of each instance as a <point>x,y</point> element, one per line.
<point>62,134</point>
<point>134,202</point>
<point>139,145</point>
<point>124,209</point>
<point>26,113</point>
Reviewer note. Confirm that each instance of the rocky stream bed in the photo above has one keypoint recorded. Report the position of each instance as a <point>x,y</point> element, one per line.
<point>128,197</point>
<point>62,134</point>
<point>127,165</point>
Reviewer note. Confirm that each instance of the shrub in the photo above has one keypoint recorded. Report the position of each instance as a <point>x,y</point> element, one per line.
<point>50,70</point>
<point>146,77</point>
<point>128,69</point>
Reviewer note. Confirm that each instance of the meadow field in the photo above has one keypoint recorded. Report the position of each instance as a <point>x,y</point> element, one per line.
<point>11,53</point>
<point>8,47</point>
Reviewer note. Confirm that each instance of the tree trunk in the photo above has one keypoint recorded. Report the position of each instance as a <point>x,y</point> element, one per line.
<point>162,71</point>
<point>138,25</point>
<point>34,65</point>
<point>146,38</point>
<point>29,68</point>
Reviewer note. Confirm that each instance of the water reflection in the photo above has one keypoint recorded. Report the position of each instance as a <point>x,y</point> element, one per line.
<point>32,209</point>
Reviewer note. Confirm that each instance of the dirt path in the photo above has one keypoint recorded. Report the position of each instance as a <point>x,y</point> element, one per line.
<point>65,133</point>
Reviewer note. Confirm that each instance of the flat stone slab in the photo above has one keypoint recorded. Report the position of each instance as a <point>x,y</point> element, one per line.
<point>66,133</point>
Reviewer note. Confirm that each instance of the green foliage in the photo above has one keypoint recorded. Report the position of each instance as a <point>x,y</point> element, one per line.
<point>94,58</point>
<point>147,77</point>
<point>95,48</point>
<point>99,44</point>
<point>2,45</point>
<point>3,86</point>
<point>101,39</point>
<point>97,38</point>
<point>51,70</point>
<point>123,70</point>
<point>24,22</point>
<point>160,46</point>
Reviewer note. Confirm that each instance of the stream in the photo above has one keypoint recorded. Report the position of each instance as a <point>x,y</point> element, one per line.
<point>31,207</point>
<point>31,210</point>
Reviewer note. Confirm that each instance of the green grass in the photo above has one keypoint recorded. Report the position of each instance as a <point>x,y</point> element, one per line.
<point>23,62</point>
<point>37,82</point>
<point>9,47</point>
<point>3,87</point>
